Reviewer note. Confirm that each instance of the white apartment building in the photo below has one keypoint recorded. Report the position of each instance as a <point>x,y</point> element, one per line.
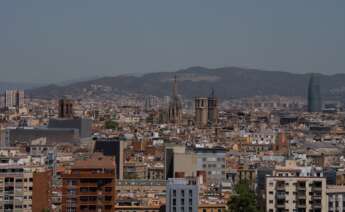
<point>336,198</point>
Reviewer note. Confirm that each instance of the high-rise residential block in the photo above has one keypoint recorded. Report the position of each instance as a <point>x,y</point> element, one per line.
<point>14,99</point>
<point>114,148</point>
<point>16,184</point>
<point>20,186</point>
<point>296,188</point>
<point>90,185</point>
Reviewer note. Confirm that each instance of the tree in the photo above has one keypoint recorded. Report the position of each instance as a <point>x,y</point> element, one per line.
<point>243,200</point>
<point>111,125</point>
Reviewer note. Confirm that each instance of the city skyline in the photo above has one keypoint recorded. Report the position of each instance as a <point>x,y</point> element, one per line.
<point>181,106</point>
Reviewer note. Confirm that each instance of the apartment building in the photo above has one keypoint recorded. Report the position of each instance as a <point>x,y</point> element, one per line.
<point>182,195</point>
<point>336,198</point>
<point>16,183</point>
<point>299,194</point>
<point>89,185</point>
<point>296,188</point>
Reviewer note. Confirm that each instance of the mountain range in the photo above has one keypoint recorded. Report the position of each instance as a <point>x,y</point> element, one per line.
<point>17,85</point>
<point>228,82</point>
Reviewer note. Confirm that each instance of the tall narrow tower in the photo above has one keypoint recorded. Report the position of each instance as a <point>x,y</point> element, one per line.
<point>201,111</point>
<point>212,109</point>
<point>314,96</point>
<point>175,106</point>
<point>65,108</point>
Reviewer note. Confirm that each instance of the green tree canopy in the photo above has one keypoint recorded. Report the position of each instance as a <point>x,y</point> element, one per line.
<point>243,200</point>
<point>110,124</point>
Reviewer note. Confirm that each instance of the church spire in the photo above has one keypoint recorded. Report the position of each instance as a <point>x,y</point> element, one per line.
<point>175,87</point>
<point>175,105</point>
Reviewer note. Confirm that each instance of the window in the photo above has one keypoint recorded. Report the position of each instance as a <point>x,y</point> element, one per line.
<point>108,207</point>
<point>190,193</point>
<point>72,182</point>
<point>108,189</point>
<point>71,209</point>
<point>84,189</point>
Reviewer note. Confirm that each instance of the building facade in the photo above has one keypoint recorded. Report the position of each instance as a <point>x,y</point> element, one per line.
<point>296,194</point>
<point>182,195</point>
<point>16,185</point>
<point>89,185</point>
<point>336,198</point>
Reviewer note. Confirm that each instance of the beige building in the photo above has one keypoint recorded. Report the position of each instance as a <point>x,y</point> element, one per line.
<point>296,194</point>
<point>16,186</point>
<point>185,164</point>
<point>296,188</point>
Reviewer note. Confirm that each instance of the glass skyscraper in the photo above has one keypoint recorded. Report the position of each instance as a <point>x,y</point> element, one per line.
<point>314,96</point>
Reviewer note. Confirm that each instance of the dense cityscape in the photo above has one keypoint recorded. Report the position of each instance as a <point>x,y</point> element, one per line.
<point>131,153</point>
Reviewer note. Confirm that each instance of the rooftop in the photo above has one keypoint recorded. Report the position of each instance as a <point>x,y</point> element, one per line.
<point>96,161</point>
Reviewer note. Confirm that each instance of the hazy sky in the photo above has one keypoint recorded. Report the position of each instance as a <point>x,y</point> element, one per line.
<point>68,39</point>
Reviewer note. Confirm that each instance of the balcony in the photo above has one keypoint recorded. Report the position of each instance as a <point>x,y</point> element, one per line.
<point>280,188</point>
<point>317,197</point>
<point>71,205</point>
<point>9,184</point>
<point>280,206</point>
<point>280,196</point>
<point>9,192</point>
<point>302,197</point>
<point>71,186</point>
<point>88,202</point>
<point>316,206</point>
<point>71,194</point>
<point>317,189</point>
<point>299,188</point>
